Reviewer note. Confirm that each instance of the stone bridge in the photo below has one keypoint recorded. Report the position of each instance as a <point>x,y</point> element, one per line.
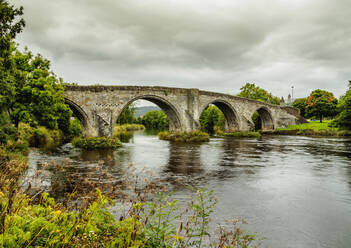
<point>98,108</point>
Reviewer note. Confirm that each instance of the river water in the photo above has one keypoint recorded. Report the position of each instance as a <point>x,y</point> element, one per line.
<point>294,191</point>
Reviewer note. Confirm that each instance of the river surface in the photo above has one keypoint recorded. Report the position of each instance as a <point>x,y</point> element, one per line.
<point>294,191</point>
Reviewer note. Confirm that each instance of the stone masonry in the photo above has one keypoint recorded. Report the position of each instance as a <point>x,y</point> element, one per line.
<point>98,108</point>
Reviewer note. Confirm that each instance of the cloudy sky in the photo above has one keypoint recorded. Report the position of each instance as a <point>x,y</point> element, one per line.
<point>212,45</point>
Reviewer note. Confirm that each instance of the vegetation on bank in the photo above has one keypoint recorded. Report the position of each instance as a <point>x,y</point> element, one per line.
<point>155,119</point>
<point>240,134</point>
<point>187,137</point>
<point>92,143</point>
<point>127,128</point>
<point>313,128</point>
<point>212,120</point>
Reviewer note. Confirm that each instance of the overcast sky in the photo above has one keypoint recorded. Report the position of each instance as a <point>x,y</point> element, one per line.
<point>211,45</point>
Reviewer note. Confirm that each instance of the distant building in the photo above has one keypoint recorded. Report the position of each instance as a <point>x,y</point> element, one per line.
<point>289,99</point>
<point>282,101</point>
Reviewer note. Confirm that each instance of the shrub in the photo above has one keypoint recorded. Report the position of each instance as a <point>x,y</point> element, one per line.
<point>92,143</point>
<point>75,128</point>
<point>47,139</point>
<point>188,137</point>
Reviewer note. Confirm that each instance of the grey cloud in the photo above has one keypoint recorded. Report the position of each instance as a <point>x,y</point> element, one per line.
<point>205,44</point>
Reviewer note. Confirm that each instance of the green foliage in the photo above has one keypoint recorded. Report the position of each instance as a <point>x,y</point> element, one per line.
<point>39,95</point>
<point>242,134</point>
<point>92,143</point>
<point>127,128</point>
<point>256,119</point>
<point>47,139</point>
<point>75,128</point>
<point>127,116</point>
<point>321,104</point>
<point>212,119</point>
<point>301,104</point>
<point>313,128</point>
<point>254,92</point>
<point>187,137</point>
<point>155,119</point>
<point>343,120</point>
<point>7,130</point>
<point>10,26</point>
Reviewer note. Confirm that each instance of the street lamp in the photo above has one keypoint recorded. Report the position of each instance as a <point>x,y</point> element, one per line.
<point>292,93</point>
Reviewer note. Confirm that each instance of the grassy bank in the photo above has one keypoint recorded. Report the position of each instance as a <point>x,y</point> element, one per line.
<point>92,143</point>
<point>239,134</point>
<point>186,137</point>
<point>312,128</point>
<point>127,128</point>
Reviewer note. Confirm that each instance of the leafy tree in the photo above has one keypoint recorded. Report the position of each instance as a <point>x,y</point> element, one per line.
<point>211,119</point>
<point>155,119</point>
<point>321,104</point>
<point>343,120</point>
<point>301,104</point>
<point>9,28</point>
<point>254,92</point>
<point>127,116</point>
<point>39,96</point>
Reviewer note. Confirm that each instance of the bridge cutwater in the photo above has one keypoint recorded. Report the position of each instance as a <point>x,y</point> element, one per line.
<point>98,108</point>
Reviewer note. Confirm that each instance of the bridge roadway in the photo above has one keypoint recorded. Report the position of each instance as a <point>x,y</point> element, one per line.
<point>98,108</point>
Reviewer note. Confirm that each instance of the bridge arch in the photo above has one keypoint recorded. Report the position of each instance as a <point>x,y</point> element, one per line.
<point>169,109</point>
<point>232,118</point>
<point>79,112</point>
<point>267,122</point>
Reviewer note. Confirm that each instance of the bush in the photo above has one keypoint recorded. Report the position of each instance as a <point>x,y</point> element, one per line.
<point>75,128</point>
<point>92,143</point>
<point>188,137</point>
<point>47,139</point>
<point>155,119</point>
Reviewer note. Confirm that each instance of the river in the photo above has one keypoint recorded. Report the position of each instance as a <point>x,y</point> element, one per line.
<point>294,191</point>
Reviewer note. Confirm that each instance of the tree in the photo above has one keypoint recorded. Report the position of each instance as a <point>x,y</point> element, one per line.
<point>300,103</point>
<point>211,119</point>
<point>9,28</point>
<point>254,92</point>
<point>39,96</point>
<point>321,104</point>
<point>343,120</point>
<point>155,119</point>
<point>127,116</point>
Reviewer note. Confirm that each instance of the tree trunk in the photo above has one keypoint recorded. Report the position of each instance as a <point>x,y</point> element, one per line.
<point>321,119</point>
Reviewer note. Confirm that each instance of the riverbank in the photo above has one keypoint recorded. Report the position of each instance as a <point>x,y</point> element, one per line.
<point>312,128</point>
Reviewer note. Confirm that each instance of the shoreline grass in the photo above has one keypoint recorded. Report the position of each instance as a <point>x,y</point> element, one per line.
<point>93,143</point>
<point>239,134</point>
<point>127,128</point>
<point>312,128</point>
<point>186,137</point>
